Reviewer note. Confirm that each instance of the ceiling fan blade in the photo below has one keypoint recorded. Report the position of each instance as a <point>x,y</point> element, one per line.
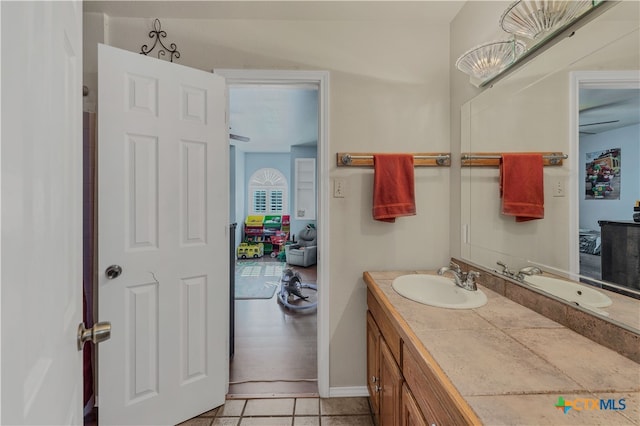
<point>239,138</point>
<point>601,122</point>
<point>607,105</point>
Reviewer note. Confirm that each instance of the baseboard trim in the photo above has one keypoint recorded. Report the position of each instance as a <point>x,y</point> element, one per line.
<point>347,391</point>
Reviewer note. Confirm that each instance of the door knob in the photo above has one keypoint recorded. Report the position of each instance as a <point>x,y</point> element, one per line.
<point>100,332</point>
<point>113,272</point>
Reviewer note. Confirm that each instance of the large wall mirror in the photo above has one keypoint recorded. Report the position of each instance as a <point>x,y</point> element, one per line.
<point>581,98</point>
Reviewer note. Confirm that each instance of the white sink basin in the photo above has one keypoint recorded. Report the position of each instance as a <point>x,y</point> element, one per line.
<point>570,291</point>
<point>438,291</point>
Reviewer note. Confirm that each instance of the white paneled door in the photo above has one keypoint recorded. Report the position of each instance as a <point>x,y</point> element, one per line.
<point>163,212</point>
<point>41,250</point>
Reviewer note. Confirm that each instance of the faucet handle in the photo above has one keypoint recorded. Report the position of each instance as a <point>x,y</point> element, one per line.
<point>471,276</point>
<point>505,268</point>
<point>455,267</point>
<point>470,280</point>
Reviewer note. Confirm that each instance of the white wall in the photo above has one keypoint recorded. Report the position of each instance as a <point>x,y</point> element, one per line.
<point>628,140</point>
<point>389,86</point>
<point>93,32</point>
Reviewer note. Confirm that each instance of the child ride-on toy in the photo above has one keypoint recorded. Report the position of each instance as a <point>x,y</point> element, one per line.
<point>291,291</point>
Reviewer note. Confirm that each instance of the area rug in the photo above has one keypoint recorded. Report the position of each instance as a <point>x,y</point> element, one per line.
<point>257,280</point>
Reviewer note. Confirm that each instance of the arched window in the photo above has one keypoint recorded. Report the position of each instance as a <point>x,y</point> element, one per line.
<point>268,192</point>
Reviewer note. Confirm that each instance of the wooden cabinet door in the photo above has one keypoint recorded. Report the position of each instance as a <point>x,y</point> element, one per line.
<point>433,398</point>
<point>410,414</point>
<point>391,387</point>
<point>373,363</point>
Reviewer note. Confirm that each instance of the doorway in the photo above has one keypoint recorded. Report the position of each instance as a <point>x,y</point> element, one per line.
<point>277,121</point>
<point>606,114</point>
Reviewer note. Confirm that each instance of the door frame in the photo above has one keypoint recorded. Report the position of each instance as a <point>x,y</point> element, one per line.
<point>591,79</point>
<point>321,79</point>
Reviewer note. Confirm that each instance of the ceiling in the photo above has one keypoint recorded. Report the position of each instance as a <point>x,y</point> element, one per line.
<point>273,117</point>
<point>602,110</point>
<point>428,11</point>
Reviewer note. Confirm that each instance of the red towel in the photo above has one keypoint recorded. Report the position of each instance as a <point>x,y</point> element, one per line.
<point>522,186</point>
<point>393,187</point>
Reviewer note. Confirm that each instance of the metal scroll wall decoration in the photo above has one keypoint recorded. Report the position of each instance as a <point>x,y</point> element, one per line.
<point>158,34</point>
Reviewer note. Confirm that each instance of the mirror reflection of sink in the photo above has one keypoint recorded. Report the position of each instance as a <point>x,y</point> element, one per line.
<point>437,291</point>
<point>570,291</point>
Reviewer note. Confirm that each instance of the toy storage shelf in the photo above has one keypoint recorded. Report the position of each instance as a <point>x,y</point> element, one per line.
<point>260,229</point>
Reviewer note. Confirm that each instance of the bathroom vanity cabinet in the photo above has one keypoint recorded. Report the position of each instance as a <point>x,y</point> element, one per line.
<point>385,376</point>
<point>403,387</point>
<point>501,363</point>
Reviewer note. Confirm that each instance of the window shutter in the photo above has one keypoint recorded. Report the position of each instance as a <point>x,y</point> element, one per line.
<point>268,192</point>
<point>260,201</point>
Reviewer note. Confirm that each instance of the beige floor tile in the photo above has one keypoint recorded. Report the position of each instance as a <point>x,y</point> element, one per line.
<point>346,421</point>
<point>306,421</point>
<point>197,421</point>
<point>231,408</point>
<point>226,421</point>
<point>344,406</point>
<point>272,389</point>
<point>307,407</point>
<point>266,421</point>
<point>269,407</point>
<point>210,413</point>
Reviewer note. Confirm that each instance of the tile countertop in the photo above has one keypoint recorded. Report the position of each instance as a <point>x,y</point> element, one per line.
<point>511,364</point>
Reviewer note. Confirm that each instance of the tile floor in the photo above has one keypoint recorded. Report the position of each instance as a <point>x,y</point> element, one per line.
<point>288,412</point>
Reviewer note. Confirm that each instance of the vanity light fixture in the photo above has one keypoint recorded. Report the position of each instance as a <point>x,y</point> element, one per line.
<point>534,19</point>
<point>489,59</point>
<point>544,22</point>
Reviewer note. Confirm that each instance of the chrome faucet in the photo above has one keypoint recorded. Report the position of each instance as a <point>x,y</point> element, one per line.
<point>465,280</point>
<point>529,270</point>
<point>453,267</point>
<point>505,269</point>
<point>455,271</point>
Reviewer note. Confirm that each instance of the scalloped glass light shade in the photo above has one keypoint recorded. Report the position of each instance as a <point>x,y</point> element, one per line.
<point>487,60</point>
<point>535,18</point>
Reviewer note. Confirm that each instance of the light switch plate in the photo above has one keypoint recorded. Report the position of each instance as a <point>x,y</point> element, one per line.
<point>339,188</point>
<point>558,188</point>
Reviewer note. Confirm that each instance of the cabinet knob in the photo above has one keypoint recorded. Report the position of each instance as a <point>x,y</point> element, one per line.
<point>374,379</point>
<point>378,388</point>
